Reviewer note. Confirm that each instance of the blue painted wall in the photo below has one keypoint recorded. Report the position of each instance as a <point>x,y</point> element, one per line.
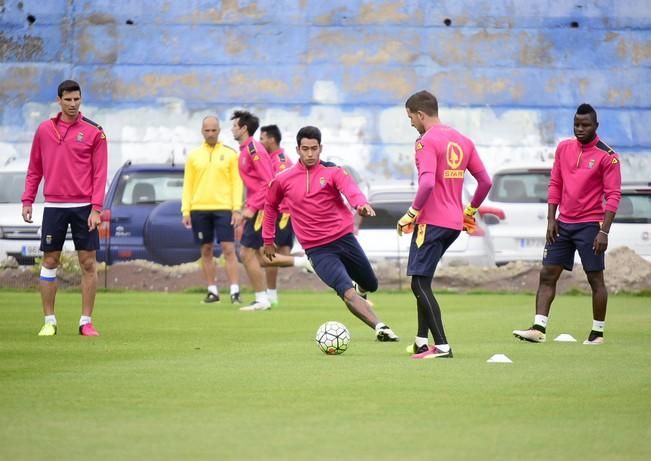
<point>508,73</point>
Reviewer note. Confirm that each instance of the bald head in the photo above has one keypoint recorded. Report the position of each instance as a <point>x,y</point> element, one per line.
<point>210,130</point>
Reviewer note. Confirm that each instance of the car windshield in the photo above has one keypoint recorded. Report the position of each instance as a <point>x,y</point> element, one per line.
<point>521,187</point>
<point>149,188</point>
<point>12,185</point>
<point>634,208</point>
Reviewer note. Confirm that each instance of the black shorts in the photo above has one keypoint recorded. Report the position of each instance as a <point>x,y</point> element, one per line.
<point>572,238</point>
<point>284,232</point>
<point>252,234</point>
<point>55,226</point>
<point>340,262</point>
<point>428,245</point>
<point>210,225</point>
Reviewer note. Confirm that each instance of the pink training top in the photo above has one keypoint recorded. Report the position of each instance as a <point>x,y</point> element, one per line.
<point>583,176</point>
<point>280,161</point>
<point>256,172</point>
<point>442,157</point>
<point>73,160</point>
<point>313,196</point>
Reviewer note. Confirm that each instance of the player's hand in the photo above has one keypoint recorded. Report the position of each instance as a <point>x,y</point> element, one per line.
<point>94,220</point>
<point>600,243</point>
<point>469,223</point>
<point>27,213</point>
<point>552,231</point>
<point>187,222</point>
<point>406,223</point>
<point>269,252</point>
<point>248,213</point>
<point>236,218</point>
<point>365,210</point>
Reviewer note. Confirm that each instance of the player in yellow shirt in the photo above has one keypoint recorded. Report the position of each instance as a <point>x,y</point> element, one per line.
<point>212,199</point>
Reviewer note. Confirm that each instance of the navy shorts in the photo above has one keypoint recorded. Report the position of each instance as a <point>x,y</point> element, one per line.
<point>340,262</point>
<point>428,245</point>
<point>252,234</point>
<point>574,237</point>
<point>208,225</point>
<point>55,227</point>
<point>284,232</point>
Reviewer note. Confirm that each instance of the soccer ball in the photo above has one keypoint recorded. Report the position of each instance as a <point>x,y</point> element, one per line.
<point>333,338</point>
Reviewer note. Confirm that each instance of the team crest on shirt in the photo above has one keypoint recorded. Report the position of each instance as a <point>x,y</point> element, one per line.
<point>591,164</point>
<point>80,136</point>
<point>454,157</point>
<point>322,181</point>
<point>614,161</point>
<point>419,146</point>
<point>255,157</point>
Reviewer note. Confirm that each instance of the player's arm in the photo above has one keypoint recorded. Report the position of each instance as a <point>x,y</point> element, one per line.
<point>554,196</point>
<point>188,188</point>
<point>484,184</point>
<point>33,177</point>
<point>612,180</point>
<point>237,191</point>
<point>273,198</point>
<point>100,172</point>
<point>427,164</point>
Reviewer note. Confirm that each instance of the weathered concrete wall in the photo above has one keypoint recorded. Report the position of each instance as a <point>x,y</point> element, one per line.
<point>508,73</point>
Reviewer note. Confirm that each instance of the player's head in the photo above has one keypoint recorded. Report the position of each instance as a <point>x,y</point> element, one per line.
<point>585,123</point>
<point>270,137</point>
<point>69,98</point>
<point>420,107</point>
<point>210,129</point>
<point>245,124</point>
<point>308,145</point>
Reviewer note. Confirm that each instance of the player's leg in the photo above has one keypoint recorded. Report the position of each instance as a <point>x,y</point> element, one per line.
<point>594,266</point>
<point>53,235</point>
<point>203,230</point>
<point>250,252</point>
<point>86,244</point>
<point>226,239</point>
<point>428,246</point>
<point>556,257</point>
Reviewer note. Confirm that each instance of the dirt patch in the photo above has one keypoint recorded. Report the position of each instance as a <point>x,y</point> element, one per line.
<point>625,272</point>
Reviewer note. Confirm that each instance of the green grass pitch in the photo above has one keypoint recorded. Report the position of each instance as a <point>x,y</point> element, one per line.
<point>173,379</point>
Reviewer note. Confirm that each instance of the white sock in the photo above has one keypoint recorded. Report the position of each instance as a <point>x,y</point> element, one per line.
<point>540,320</point>
<point>235,288</point>
<point>598,325</point>
<point>420,341</point>
<point>272,294</point>
<point>51,319</point>
<point>301,261</point>
<point>84,319</point>
<point>261,297</point>
<point>213,289</point>
<point>379,326</point>
<point>443,347</point>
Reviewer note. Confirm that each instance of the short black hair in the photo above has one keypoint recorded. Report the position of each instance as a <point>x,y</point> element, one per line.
<point>247,119</point>
<point>423,101</point>
<point>272,131</point>
<point>66,86</point>
<point>309,132</point>
<point>585,109</point>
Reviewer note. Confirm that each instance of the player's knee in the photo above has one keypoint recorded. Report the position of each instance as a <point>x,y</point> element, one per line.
<point>549,275</point>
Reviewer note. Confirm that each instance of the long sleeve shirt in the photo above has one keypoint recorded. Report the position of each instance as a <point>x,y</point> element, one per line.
<point>72,158</point>
<point>256,171</point>
<point>583,176</point>
<point>211,180</point>
<point>314,198</point>
<point>442,157</point>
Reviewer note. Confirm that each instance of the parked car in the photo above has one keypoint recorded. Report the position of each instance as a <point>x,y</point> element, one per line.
<point>18,238</point>
<point>142,217</point>
<point>520,191</point>
<point>632,224</point>
<point>380,241</point>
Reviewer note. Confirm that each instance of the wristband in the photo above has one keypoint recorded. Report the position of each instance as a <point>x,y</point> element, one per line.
<point>604,232</point>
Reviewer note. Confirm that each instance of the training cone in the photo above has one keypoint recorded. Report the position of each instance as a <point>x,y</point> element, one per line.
<point>499,358</point>
<point>565,338</point>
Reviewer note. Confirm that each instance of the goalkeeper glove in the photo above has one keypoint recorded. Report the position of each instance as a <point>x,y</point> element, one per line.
<point>406,223</point>
<point>469,224</point>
